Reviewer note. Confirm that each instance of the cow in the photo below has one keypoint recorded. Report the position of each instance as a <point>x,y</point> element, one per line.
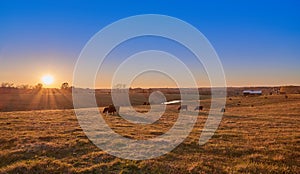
<point>200,108</point>
<point>223,110</point>
<point>111,109</point>
<point>182,107</point>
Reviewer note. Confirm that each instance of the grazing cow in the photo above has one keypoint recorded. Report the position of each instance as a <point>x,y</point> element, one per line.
<point>105,110</point>
<point>200,108</point>
<point>223,110</point>
<point>111,109</point>
<point>182,107</point>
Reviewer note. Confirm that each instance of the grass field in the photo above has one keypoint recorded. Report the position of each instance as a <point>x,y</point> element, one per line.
<point>47,99</point>
<point>257,135</point>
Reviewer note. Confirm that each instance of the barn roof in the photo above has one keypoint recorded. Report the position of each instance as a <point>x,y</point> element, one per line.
<point>252,91</point>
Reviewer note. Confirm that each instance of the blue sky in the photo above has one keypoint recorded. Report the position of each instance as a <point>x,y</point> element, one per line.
<point>257,41</point>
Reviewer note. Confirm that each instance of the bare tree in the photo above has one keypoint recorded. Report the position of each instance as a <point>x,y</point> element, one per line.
<point>7,85</point>
<point>23,87</point>
<point>120,86</point>
<point>65,86</point>
<point>38,86</point>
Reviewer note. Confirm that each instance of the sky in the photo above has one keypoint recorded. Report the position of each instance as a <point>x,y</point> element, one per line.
<point>257,41</point>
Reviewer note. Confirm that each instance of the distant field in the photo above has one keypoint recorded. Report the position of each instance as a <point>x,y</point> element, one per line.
<point>257,135</point>
<point>47,99</point>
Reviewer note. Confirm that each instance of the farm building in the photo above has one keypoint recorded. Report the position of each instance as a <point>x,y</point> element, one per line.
<point>252,92</point>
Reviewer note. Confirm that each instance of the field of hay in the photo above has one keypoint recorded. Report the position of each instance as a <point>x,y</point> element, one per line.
<point>257,135</point>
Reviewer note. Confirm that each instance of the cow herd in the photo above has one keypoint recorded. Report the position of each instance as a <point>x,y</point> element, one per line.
<point>111,109</point>
<point>199,108</point>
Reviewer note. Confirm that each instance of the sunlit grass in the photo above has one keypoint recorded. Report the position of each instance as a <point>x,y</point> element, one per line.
<point>260,135</point>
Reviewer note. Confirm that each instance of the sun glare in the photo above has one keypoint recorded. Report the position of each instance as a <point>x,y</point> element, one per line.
<point>47,79</point>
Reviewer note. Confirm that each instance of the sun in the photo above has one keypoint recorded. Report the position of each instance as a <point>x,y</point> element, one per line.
<point>47,79</point>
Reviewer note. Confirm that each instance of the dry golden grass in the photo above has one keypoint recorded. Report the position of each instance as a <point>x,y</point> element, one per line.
<point>256,135</point>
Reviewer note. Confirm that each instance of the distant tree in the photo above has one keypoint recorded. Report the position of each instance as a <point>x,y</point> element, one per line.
<point>7,85</point>
<point>24,87</point>
<point>120,86</point>
<point>38,86</point>
<point>65,86</point>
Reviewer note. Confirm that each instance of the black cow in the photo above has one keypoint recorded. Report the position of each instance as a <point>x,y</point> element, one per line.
<point>146,103</point>
<point>223,110</point>
<point>200,108</point>
<point>182,107</point>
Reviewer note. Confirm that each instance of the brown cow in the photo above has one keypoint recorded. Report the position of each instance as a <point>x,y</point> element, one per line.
<point>111,109</point>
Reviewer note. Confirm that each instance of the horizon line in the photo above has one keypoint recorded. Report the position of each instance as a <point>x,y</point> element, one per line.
<point>254,86</point>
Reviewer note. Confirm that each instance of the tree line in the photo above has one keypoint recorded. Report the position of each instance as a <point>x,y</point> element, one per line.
<point>9,85</point>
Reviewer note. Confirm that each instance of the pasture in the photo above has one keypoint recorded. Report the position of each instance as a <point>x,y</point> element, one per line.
<point>257,135</point>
